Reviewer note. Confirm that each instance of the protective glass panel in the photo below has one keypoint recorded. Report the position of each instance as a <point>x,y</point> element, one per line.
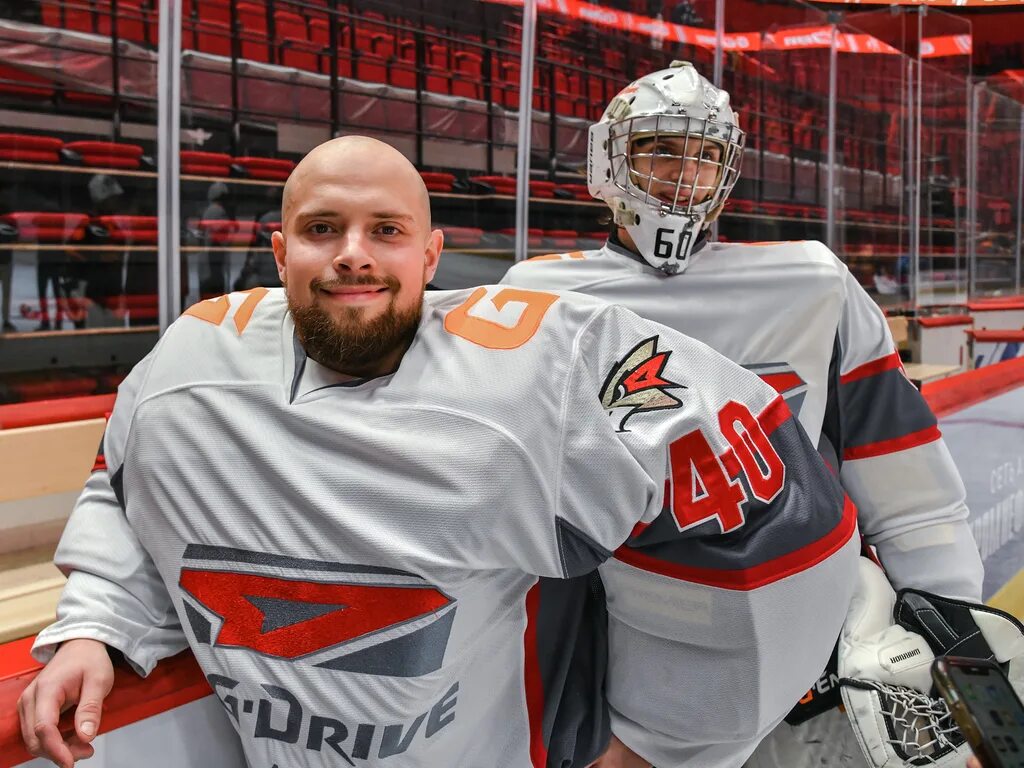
<point>775,66</point>
<point>78,279</point>
<point>874,146</point>
<point>944,54</point>
<point>997,267</point>
<point>438,80</point>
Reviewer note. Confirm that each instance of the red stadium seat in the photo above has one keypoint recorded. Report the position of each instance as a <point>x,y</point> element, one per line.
<point>205,163</point>
<point>502,185</point>
<point>228,232</point>
<point>273,169</point>
<point>462,236</point>
<point>578,191</point>
<point>107,154</point>
<point>24,85</point>
<point>217,11</point>
<point>213,37</point>
<point>130,20</point>
<point>293,40</point>
<point>438,182</point>
<point>438,77</point>
<point>562,238</point>
<point>468,75</point>
<point>542,189</point>
<point>534,237</point>
<point>252,21</point>
<point>140,230</point>
<point>371,68</point>
<point>23,148</point>
<point>46,227</point>
<point>68,14</point>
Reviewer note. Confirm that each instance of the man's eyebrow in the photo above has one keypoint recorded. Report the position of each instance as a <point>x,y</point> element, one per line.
<point>322,214</point>
<point>392,215</point>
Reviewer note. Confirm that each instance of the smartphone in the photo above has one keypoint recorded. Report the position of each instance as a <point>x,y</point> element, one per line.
<point>985,706</point>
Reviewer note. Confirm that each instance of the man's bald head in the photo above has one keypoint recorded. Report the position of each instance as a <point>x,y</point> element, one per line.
<point>355,160</point>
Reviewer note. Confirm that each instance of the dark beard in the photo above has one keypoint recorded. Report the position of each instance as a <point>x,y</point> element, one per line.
<point>350,344</point>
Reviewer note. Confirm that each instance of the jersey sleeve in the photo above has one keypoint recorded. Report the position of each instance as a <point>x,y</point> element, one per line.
<point>895,465</point>
<point>727,595</point>
<point>114,593</point>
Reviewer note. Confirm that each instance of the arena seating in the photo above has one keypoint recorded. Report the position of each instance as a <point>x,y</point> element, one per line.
<point>24,148</point>
<point>47,227</point>
<point>205,163</point>
<point>130,230</point>
<point>107,154</point>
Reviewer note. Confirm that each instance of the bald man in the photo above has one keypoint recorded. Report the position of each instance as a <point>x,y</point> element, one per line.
<point>368,510</point>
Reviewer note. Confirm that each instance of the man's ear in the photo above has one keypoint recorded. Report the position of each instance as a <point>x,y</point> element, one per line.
<point>277,242</point>
<point>435,244</point>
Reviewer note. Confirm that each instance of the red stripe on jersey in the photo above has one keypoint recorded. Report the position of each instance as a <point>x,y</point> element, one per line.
<point>774,415</point>
<point>875,367</point>
<point>746,579</point>
<point>883,447</point>
<point>781,382</point>
<point>534,683</point>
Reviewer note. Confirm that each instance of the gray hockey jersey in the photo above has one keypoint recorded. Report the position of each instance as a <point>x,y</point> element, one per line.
<point>792,313</point>
<point>359,566</point>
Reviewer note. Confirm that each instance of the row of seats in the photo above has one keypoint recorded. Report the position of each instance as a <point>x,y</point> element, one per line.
<point>70,228</point>
<point>29,148</point>
<point>369,48</point>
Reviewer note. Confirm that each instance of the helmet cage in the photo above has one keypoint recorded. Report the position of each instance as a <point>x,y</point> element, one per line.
<point>634,172</point>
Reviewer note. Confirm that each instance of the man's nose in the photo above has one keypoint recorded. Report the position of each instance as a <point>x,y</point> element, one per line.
<point>354,254</point>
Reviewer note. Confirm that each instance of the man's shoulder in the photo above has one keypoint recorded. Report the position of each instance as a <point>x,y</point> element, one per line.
<point>566,270</point>
<point>783,254</point>
<point>231,333</point>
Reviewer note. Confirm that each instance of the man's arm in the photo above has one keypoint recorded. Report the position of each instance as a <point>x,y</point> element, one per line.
<point>114,593</point>
<point>725,602</point>
<point>114,598</point>
<point>895,465</point>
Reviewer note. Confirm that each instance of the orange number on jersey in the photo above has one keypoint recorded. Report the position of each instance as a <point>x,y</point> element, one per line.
<point>700,488</point>
<point>492,335</point>
<point>215,310</point>
<point>755,453</point>
<point>705,486</point>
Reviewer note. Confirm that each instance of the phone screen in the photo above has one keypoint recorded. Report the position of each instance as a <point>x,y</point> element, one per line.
<point>995,707</point>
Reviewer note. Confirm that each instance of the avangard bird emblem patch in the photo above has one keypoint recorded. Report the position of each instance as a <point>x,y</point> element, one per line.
<point>637,383</point>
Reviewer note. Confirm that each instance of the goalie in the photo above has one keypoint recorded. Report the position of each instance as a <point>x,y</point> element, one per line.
<point>664,157</point>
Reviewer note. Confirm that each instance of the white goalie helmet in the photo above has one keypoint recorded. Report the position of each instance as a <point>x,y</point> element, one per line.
<point>664,157</point>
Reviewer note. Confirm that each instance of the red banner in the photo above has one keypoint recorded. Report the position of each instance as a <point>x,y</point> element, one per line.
<point>788,39</point>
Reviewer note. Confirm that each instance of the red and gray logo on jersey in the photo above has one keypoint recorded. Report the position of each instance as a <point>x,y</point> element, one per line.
<point>783,379</point>
<point>356,618</point>
<point>637,382</point>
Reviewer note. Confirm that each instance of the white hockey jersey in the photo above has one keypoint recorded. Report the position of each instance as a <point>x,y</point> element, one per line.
<point>355,565</point>
<point>792,313</point>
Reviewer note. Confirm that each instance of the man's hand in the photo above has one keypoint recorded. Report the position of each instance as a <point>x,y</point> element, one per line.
<point>618,755</point>
<point>80,673</point>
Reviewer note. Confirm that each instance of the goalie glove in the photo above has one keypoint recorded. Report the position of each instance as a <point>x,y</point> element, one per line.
<point>886,651</point>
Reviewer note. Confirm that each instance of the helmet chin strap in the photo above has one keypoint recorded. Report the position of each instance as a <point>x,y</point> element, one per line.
<point>665,241</point>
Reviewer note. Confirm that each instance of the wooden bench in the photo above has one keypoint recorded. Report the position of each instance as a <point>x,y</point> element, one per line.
<point>43,468</point>
<point>922,373</point>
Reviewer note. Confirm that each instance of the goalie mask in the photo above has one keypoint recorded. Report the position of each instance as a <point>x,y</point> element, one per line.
<point>664,157</point>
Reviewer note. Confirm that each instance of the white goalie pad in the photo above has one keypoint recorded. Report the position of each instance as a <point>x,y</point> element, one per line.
<point>885,654</point>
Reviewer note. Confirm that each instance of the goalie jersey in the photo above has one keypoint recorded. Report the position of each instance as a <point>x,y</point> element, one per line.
<point>792,313</point>
<point>370,572</point>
